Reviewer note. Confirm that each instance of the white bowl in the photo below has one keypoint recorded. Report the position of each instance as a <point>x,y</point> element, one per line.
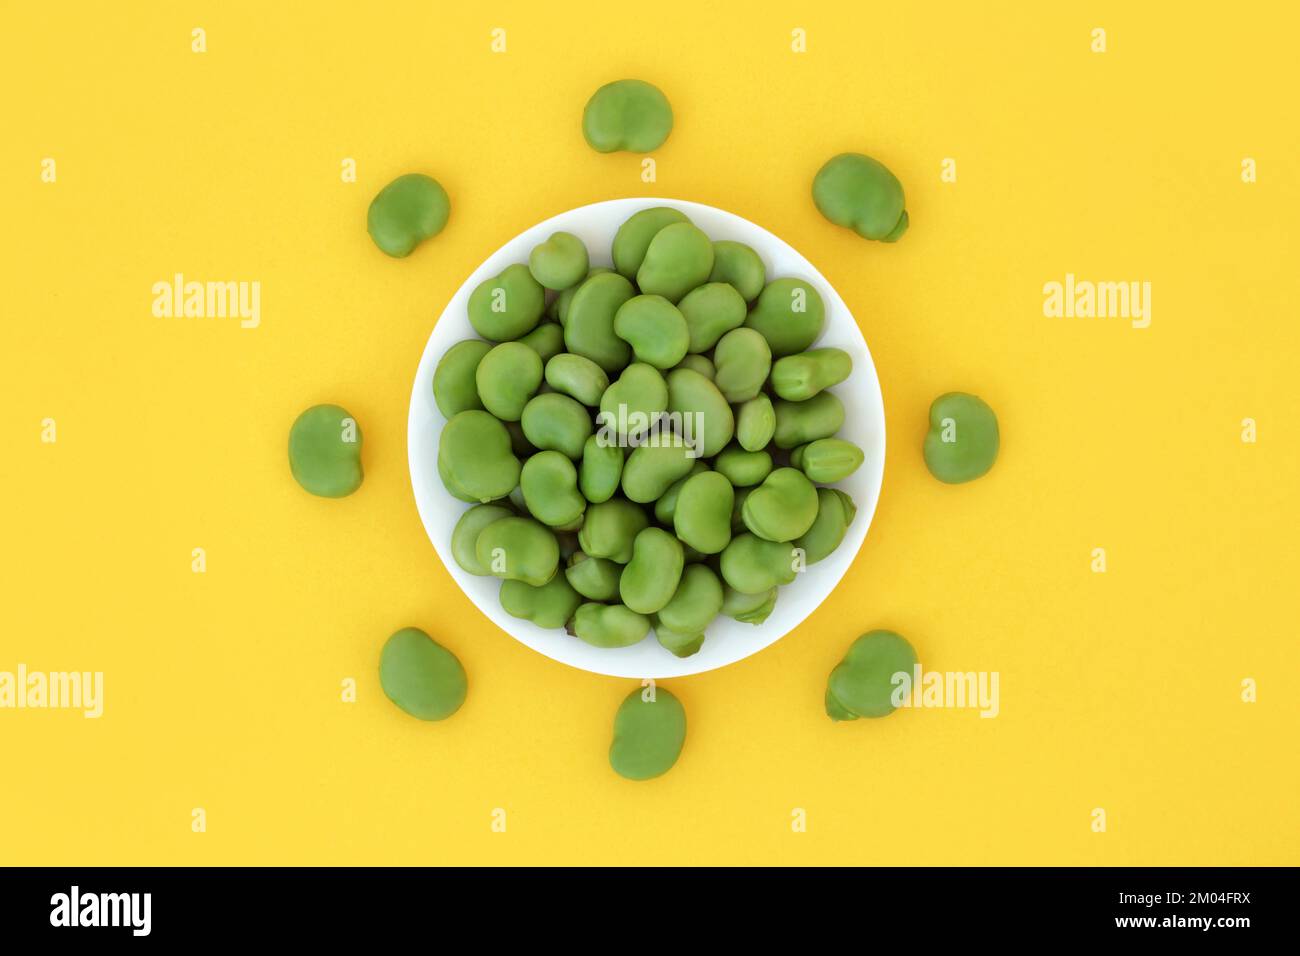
<point>728,640</point>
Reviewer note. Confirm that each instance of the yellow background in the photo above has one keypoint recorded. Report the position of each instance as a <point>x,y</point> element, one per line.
<point>1119,690</point>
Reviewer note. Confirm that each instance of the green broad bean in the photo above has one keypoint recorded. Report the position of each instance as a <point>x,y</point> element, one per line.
<point>631,406</point>
<point>559,262</point>
<point>654,328</point>
<point>609,625</point>
<point>667,502</point>
<point>702,517</point>
<point>711,311</point>
<point>559,307</point>
<point>578,377</point>
<point>508,305</point>
<point>465,535</point>
<point>652,576</point>
<point>740,267</point>
<point>783,507</point>
<point>743,468</point>
<point>629,115</point>
<point>797,378</point>
<point>596,579</point>
<point>755,423</point>
<point>507,378</point>
<point>547,340</point>
<point>699,363</point>
<point>454,389</point>
<point>551,605</point>
<point>748,608</point>
<point>677,643</point>
<point>743,360</point>
<point>601,469</point>
<point>862,684</point>
<point>653,467</point>
<point>421,676</point>
<point>520,549</point>
<point>549,483</point>
<point>633,237</point>
<point>753,565</point>
<point>861,194</point>
<point>589,321</point>
<point>789,314</point>
<point>798,423</point>
<point>680,624</point>
<point>680,257</point>
<point>835,512</point>
<point>552,421</point>
<point>475,458</point>
<point>325,451</point>
<point>827,460</point>
<point>699,411</point>
<point>962,443</point>
<point>610,528</point>
<point>407,211</point>
<point>649,732</point>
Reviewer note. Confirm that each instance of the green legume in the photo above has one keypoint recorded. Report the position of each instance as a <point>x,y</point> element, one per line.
<point>861,194</point>
<point>610,529</point>
<point>800,377</point>
<point>407,211</point>
<point>789,314</point>
<point>835,512</point>
<point>963,440</point>
<point>589,325</point>
<point>596,579</point>
<point>743,468</point>
<point>633,237</point>
<point>740,267</point>
<point>679,258</point>
<point>748,608</point>
<point>559,262</point>
<point>464,537</point>
<point>549,483</point>
<point>649,732</point>
<point>507,377</point>
<point>601,469</point>
<point>325,451</point>
<point>520,549</point>
<point>783,507</point>
<point>551,605</point>
<point>630,115</point>
<point>609,625</point>
<point>508,305</point>
<point>702,516</point>
<point>798,423</point>
<point>421,676</point>
<point>654,328</point>
<point>454,389</point>
<point>827,460</point>
<point>578,377</point>
<point>711,311</point>
<point>555,421</point>
<point>755,423</point>
<point>862,684</point>
<point>743,360</point>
